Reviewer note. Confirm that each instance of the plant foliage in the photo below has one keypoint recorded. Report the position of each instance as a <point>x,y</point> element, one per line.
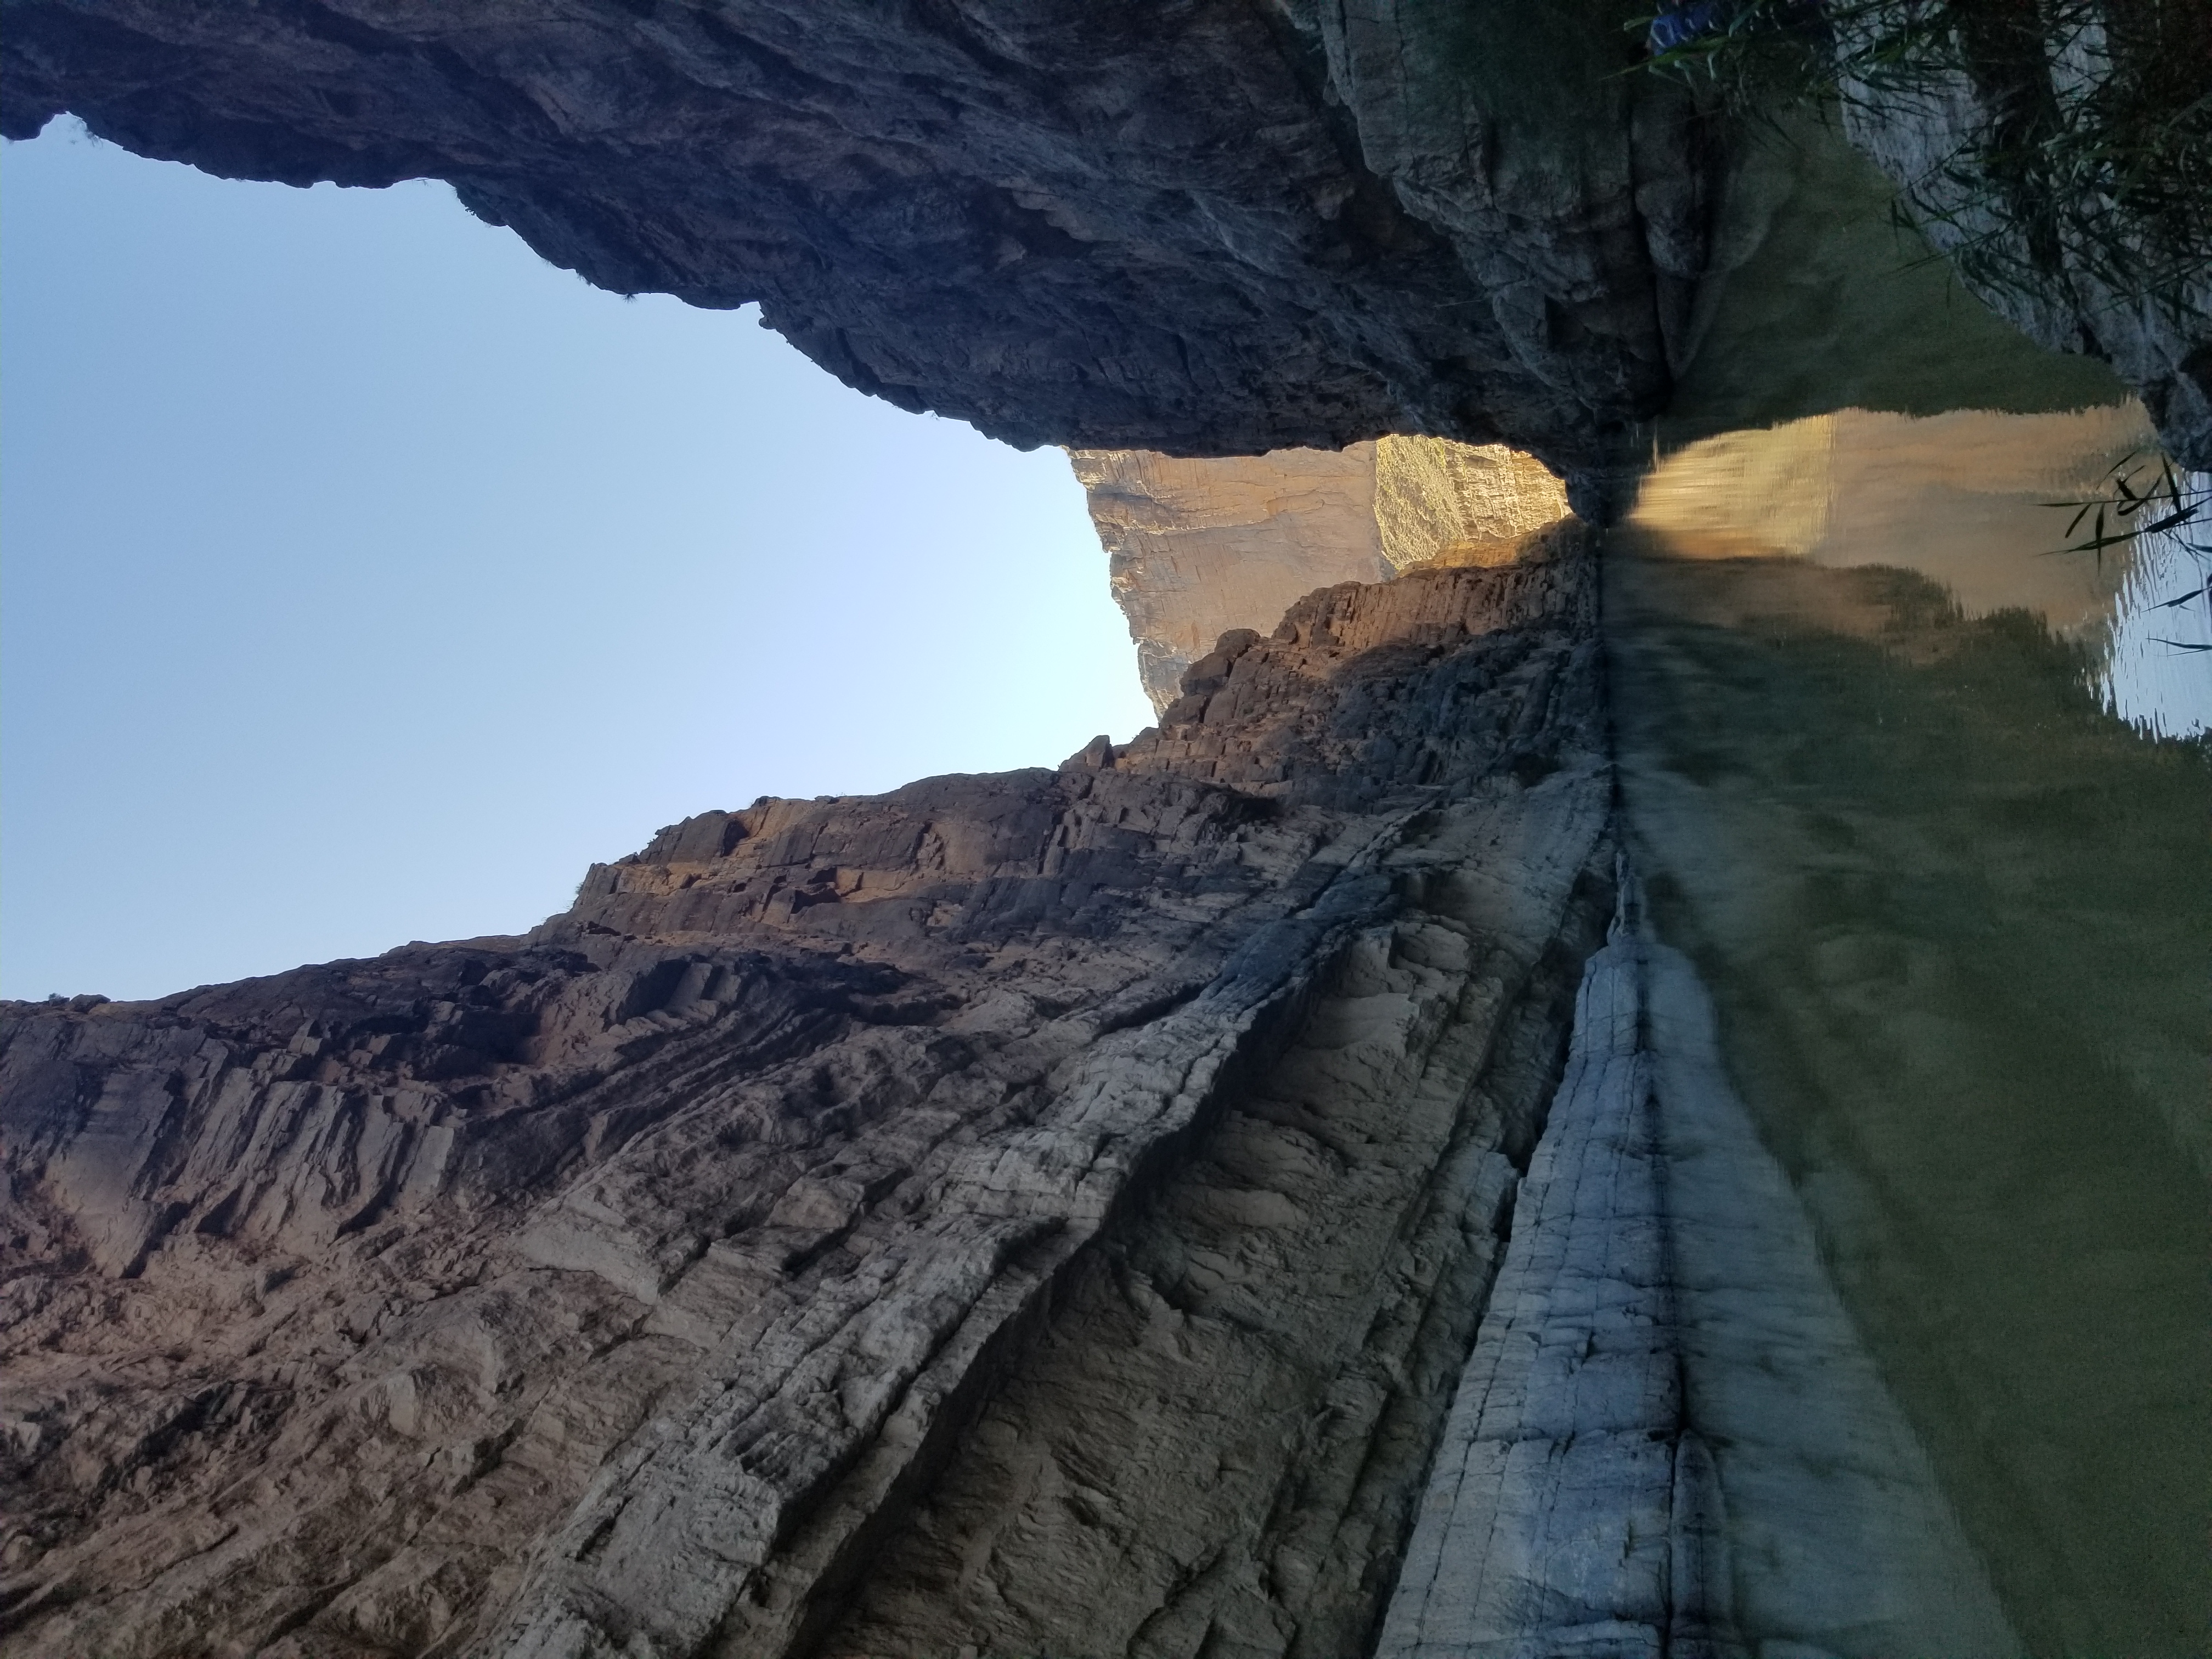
<point>2089,152</point>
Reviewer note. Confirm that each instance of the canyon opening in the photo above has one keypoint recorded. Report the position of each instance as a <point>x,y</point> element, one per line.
<point>1616,1065</point>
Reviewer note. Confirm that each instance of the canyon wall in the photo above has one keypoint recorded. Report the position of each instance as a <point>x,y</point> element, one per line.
<point>1045,1212</point>
<point>1220,227</point>
<point>1223,227</point>
<point>1196,548</point>
<point>1170,1203</point>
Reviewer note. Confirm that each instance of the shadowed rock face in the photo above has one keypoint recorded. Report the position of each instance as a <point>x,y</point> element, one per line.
<point>1212,228</point>
<point>640,1282</point>
<point>1216,227</point>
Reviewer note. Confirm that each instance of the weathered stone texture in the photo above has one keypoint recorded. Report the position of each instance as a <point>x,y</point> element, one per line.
<point>1213,227</point>
<point>625,1287</point>
<point>1439,503</point>
<point>1669,1439</point>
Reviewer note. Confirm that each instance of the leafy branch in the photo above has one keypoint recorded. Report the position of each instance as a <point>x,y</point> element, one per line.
<point>2175,501</point>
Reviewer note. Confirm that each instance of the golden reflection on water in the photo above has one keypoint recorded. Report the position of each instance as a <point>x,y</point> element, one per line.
<point>1957,918</point>
<point>1963,498</point>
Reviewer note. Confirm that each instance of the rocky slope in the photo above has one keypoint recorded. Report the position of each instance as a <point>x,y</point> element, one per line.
<point>1042,1212</point>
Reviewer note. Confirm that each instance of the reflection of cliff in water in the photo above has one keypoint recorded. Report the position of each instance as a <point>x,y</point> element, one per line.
<point>1965,498</point>
<point>1955,916</point>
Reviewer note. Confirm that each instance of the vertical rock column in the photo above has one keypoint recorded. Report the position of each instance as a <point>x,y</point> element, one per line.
<point>1668,1439</point>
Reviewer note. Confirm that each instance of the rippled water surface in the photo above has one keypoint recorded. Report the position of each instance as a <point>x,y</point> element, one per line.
<point>1928,803</point>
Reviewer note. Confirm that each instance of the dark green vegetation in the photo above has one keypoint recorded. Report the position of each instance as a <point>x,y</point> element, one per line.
<point>1840,305</point>
<point>2095,140</point>
<point>1958,922</point>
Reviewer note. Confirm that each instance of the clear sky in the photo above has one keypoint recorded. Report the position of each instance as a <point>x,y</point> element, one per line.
<point>362,577</point>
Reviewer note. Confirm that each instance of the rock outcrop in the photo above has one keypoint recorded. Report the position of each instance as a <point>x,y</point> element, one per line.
<point>1197,548</point>
<point>1046,1210</point>
<point>1224,226</point>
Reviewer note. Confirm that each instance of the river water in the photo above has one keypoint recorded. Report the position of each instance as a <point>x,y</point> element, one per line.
<point>1926,802</point>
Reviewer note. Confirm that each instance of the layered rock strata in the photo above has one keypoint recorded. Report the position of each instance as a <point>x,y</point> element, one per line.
<point>1058,1202</point>
<point>1196,548</point>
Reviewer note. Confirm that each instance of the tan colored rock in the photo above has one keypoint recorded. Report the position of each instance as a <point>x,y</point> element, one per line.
<point>1441,502</point>
<point>1196,548</point>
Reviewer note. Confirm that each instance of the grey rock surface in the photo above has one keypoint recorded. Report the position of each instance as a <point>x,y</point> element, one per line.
<point>1215,227</point>
<point>631,1287</point>
<point>1668,1438</point>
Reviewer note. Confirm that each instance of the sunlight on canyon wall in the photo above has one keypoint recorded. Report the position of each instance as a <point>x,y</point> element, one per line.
<point>1199,547</point>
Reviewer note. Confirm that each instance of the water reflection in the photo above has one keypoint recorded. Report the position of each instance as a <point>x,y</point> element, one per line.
<point>1956,914</point>
<point>1963,498</point>
<point>2157,670</point>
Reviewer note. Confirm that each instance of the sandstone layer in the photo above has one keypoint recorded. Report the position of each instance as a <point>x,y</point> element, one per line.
<point>1047,1211</point>
<point>1196,548</point>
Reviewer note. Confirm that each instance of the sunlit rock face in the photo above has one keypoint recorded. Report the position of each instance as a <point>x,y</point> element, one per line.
<point>1195,547</point>
<point>1043,1211</point>
<point>1438,502</point>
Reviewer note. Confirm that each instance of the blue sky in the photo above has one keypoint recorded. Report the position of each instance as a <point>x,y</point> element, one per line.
<point>362,577</point>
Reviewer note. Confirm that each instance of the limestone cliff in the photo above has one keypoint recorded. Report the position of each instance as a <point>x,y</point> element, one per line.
<point>1046,1212</point>
<point>1196,548</point>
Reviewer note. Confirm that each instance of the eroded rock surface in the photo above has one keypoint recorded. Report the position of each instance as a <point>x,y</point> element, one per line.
<point>898,1190</point>
<point>1218,227</point>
